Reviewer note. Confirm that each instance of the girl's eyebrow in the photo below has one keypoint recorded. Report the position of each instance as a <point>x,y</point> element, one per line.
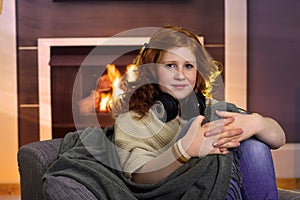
<point>174,61</point>
<point>168,61</point>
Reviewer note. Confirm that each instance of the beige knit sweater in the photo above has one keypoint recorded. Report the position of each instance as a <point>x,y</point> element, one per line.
<point>140,140</point>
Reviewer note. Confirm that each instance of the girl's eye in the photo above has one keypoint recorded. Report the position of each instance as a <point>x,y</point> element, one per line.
<point>170,65</point>
<point>189,66</point>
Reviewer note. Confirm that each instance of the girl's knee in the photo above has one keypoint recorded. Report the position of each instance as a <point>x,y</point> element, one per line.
<point>254,150</point>
<point>254,145</point>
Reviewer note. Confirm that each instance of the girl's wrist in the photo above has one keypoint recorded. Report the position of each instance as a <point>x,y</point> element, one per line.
<point>179,152</point>
<point>259,122</point>
<point>182,150</point>
<point>185,144</point>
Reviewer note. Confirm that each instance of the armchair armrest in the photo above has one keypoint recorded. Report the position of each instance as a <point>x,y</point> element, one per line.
<point>33,161</point>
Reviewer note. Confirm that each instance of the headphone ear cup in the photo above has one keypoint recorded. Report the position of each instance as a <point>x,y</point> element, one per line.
<point>165,107</point>
<point>192,106</point>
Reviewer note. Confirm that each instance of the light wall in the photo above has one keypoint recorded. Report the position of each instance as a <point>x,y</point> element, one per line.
<point>8,95</point>
<point>236,52</point>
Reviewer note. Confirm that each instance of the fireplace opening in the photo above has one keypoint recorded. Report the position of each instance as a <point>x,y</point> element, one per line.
<point>82,71</point>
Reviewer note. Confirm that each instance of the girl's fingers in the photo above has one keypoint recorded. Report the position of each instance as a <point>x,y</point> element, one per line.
<point>223,150</point>
<point>219,151</point>
<point>219,122</point>
<point>227,144</point>
<point>230,133</point>
<point>216,127</point>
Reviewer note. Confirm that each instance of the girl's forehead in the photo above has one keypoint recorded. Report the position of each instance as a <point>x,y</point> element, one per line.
<point>181,52</point>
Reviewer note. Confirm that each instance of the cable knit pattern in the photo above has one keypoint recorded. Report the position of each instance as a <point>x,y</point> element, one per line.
<point>140,140</point>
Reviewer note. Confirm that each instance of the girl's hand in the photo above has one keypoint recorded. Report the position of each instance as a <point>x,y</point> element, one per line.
<point>227,138</point>
<point>212,138</point>
<point>264,128</point>
<point>249,123</point>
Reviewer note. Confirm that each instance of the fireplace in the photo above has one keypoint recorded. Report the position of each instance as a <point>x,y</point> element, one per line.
<point>82,84</point>
<point>69,69</point>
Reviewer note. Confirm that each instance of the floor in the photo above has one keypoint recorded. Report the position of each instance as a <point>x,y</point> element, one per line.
<point>10,198</point>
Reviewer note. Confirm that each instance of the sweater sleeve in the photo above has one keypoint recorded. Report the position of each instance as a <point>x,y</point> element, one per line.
<point>140,140</point>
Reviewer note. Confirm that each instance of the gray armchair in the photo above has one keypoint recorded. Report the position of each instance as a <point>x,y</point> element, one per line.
<point>35,158</point>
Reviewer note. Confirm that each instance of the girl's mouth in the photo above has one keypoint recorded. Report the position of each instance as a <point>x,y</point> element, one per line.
<point>179,86</point>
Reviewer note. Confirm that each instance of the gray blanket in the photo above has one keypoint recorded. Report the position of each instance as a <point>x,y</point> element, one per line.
<point>89,156</point>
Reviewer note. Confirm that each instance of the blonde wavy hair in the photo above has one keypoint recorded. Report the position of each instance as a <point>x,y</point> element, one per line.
<point>140,95</point>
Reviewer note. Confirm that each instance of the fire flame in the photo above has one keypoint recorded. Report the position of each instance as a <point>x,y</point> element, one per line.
<point>110,92</point>
<point>105,98</point>
<point>112,72</point>
<point>130,71</point>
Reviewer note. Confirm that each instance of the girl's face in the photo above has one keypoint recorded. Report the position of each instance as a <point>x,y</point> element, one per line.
<point>178,73</point>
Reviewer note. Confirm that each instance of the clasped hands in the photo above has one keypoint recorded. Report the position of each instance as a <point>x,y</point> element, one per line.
<point>219,136</point>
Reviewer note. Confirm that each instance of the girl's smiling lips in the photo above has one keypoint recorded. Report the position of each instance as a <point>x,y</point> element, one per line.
<point>179,86</point>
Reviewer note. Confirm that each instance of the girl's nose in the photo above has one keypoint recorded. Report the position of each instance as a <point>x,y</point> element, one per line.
<point>179,74</point>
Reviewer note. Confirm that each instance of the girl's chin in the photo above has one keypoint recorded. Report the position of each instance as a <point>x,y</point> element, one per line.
<point>179,95</point>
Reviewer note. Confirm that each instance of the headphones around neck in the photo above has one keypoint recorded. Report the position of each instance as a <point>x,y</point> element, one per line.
<point>167,107</point>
